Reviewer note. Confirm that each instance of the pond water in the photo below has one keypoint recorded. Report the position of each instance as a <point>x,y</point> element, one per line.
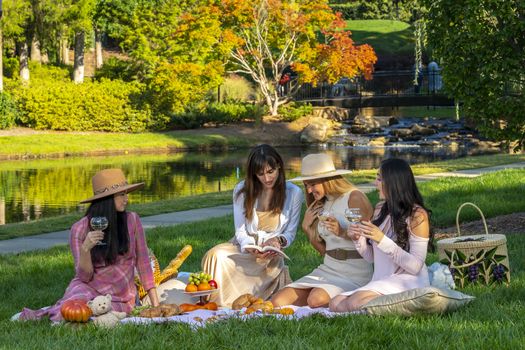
<point>43,188</point>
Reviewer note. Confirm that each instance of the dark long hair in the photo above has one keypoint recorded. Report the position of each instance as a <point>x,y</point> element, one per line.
<point>260,157</point>
<point>401,197</point>
<point>116,235</point>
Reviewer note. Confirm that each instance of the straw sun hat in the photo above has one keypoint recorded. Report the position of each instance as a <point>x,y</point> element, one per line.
<point>107,182</point>
<point>318,166</point>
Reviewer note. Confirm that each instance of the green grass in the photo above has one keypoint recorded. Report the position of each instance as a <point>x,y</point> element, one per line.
<point>385,36</point>
<point>496,194</point>
<point>424,112</point>
<point>475,162</point>
<point>56,144</point>
<point>493,321</point>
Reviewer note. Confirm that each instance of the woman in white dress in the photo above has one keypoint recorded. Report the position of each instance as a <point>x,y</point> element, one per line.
<point>342,268</point>
<point>396,240</point>
<point>266,211</point>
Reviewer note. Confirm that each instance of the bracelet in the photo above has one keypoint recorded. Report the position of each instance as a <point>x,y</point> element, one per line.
<point>282,241</point>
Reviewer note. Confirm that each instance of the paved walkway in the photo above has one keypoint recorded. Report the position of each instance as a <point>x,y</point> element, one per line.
<point>49,240</point>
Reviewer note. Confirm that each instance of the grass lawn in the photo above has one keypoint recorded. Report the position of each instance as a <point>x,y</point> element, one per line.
<point>81,143</point>
<point>493,321</point>
<point>385,36</point>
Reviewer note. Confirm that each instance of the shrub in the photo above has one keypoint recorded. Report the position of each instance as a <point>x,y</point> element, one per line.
<point>115,68</point>
<point>8,111</point>
<point>95,106</point>
<point>218,113</point>
<point>294,110</point>
<point>11,67</point>
<point>237,88</point>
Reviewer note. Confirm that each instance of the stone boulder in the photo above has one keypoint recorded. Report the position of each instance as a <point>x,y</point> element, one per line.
<point>319,130</point>
<point>365,125</point>
<point>332,113</point>
<point>422,130</point>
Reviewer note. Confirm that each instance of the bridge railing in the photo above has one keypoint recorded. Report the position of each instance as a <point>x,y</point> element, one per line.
<point>386,83</point>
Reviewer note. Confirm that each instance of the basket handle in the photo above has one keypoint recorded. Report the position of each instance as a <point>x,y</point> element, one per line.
<point>480,212</point>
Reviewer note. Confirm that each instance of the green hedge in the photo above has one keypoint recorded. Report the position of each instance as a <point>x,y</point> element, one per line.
<point>218,113</point>
<point>96,106</point>
<point>8,111</point>
<point>294,110</point>
<point>379,9</point>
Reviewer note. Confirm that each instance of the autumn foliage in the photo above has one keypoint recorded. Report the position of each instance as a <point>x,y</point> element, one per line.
<point>270,36</point>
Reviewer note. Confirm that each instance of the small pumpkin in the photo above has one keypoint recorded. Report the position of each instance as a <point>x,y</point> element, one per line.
<point>76,310</point>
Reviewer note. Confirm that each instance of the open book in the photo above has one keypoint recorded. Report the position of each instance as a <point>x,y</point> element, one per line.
<point>266,249</point>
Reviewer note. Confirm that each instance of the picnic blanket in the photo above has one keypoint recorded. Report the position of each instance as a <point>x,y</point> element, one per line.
<point>201,318</point>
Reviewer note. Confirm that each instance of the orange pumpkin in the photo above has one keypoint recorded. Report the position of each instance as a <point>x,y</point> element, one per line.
<point>75,310</point>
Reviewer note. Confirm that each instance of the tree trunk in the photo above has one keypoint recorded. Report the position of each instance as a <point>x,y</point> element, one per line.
<point>24,62</point>
<point>45,58</point>
<point>64,51</point>
<point>36,55</point>
<point>78,68</point>
<point>1,63</point>
<point>98,49</point>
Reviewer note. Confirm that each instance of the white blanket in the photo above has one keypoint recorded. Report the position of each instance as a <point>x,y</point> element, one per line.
<point>200,318</point>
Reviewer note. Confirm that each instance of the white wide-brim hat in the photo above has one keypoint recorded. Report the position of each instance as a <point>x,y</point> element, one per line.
<point>318,166</point>
<point>108,182</point>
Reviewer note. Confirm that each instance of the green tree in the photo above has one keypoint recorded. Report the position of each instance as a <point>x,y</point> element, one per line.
<point>481,46</point>
<point>177,51</point>
<point>15,22</point>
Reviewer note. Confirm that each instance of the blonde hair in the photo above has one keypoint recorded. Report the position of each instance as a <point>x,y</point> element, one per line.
<point>334,186</point>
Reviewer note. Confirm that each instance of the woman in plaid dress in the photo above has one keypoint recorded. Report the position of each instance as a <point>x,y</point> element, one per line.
<point>105,261</point>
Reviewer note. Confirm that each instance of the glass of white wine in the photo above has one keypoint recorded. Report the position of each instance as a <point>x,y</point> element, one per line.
<point>324,215</point>
<point>353,215</point>
<point>99,223</point>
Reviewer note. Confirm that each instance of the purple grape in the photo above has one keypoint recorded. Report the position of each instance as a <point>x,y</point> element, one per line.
<point>473,272</point>
<point>498,272</point>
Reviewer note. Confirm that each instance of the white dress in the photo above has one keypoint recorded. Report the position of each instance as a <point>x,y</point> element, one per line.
<point>395,270</point>
<point>337,276</point>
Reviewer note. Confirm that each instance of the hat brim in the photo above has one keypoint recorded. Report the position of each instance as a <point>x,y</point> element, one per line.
<point>321,176</point>
<point>127,189</point>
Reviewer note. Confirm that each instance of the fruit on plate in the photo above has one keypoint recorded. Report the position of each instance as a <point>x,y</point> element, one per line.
<point>191,288</point>
<point>203,286</point>
<point>200,282</point>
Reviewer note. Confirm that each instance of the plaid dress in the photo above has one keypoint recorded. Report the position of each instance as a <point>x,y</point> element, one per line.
<point>116,279</point>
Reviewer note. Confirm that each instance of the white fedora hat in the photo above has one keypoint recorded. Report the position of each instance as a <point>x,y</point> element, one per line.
<point>318,166</point>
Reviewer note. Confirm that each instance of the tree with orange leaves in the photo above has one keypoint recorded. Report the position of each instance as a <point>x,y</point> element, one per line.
<point>269,36</point>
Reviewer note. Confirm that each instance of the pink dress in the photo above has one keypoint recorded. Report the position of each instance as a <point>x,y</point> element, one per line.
<point>116,279</point>
<point>395,269</point>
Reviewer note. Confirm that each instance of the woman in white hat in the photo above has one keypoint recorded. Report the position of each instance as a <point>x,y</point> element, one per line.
<point>105,261</point>
<point>266,212</point>
<point>343,268</point>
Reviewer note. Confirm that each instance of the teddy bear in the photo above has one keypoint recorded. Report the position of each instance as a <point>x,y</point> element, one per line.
<point>103,315</point>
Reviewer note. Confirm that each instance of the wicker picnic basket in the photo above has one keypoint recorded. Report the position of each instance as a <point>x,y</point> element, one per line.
<point>169,272</point>
<point>478,258</point>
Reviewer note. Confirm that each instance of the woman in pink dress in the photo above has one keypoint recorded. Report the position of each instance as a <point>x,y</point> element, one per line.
<point>105,261</point>
<point>396,240</point>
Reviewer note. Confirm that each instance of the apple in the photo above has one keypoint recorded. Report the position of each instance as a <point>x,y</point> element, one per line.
<point>213,284</point>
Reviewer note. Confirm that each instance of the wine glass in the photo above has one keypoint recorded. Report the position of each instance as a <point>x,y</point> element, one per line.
<point>324,215</point>
<point>99,223</point>
<point>353,215</point>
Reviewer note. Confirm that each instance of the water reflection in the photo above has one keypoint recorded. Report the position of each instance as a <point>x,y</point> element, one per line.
<point>43,188</point>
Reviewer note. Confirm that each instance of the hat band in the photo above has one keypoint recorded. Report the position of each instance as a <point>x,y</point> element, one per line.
<point>322,173</point>
<point>112,187</point>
